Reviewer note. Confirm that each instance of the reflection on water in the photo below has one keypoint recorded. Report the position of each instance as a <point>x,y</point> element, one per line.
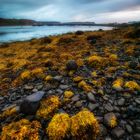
<point>20,33</point>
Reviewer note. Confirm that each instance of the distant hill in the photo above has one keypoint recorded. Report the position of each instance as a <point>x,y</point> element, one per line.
<point>14,22</point>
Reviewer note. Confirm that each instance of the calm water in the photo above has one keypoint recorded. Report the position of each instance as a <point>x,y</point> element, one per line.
<point>21,33</point>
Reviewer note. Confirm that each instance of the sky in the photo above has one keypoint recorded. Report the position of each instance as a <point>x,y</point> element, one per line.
<point>99,11</point>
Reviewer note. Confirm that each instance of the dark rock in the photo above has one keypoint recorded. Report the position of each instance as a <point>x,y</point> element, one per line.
<point>118,132</point>
<point>137,100</point>
<point>129,128</point>
<point>29,108</point>
<point>71,65</point>
<point>93,106</point>
<point>75,98</point>
<point>137,136</point>
<point>108,117</point>
<point>63,87</point>
<point>31,103</point>
<point>79,32</point>
<point>109,107</point>
<point>133,64</point>
<point>138,129</point>
<point>121,101</point>
<point>103,130</point>
<point>91,97</point>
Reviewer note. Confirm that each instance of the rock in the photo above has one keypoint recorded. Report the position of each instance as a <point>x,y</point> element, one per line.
<point>91,97</point>
<point>1,98</point>
<point>121,101</point>
<point>28,87</point>
<point>108,117</point>
<point>57,78</point>
<point>35,97</point>
<point>71,65</point>
<point>137,100</point>
<point>63,87</point>
<point>75,98</point>
<point>109,107</point>
<point>133,64</point>
<point>93,106</point>
<point>118,132</point>
<point>138,129</point>
<point>129,128</point>
<point>31,103</point>
<point>103,130</point>
<point>137,136</point>
<point>78,104</point>
<point>29,108</point>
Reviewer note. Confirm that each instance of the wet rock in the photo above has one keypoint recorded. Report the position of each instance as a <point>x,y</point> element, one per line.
<point>71,65</point>
<point>91,97</point>
<point>129,128</point>
<point>121,101</point>
<point>118,132</point>
<point>138,129</point>
<point>109,107</point>
<point>137,136</point>
<point>93,106</point>
<point>78,104</point>
<point>133,64</point>
<point>137,100</point>
<point>35,97</point>
<point>31,103</point>
<point>103,130</point>
<point>75,98</point>
<point>108,117</point>
<point>63,87</point>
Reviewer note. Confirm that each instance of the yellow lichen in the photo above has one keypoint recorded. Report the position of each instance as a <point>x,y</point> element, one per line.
<point>94,59</point>
<point>84,125</point>
<point>113,57</point>
<point>68,94</point>
<point>9,112</point>
<point>85,86</point>
<point>94,74</point>
<point>21,130</point>
<point>132,85</point>
<point>26,75</point>
<point>59,127</point>
<point>48,78</point>
<point>37,72</point>
<point>48,107</point>
<point>77,79</point>
<point>113,121</point>
<point>118,83</point>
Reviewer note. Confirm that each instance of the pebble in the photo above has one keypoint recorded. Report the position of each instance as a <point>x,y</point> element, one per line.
<point>137,136</point>
<point>118,132</point>
<point>75,98</point>
<point>137,100</point>
<point>78,104</point>
<point>63,87</point>
<point>91,97</point>
<point>121,101</point>
<point>129,128</point>
<point>93,106</point>
<point>109,107</point>
<point>107,118</point>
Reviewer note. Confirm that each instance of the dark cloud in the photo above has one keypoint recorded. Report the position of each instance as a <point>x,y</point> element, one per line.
<point>64,10</point>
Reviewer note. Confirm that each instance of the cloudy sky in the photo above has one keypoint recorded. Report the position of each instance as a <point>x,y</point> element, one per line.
<point>72,10</point>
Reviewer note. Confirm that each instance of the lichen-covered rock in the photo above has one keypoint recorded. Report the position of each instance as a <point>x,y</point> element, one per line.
<point>59,127</point>
<point>21,130</point>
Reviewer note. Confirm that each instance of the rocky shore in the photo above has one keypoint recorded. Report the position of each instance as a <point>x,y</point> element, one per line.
<point>76,86</point>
